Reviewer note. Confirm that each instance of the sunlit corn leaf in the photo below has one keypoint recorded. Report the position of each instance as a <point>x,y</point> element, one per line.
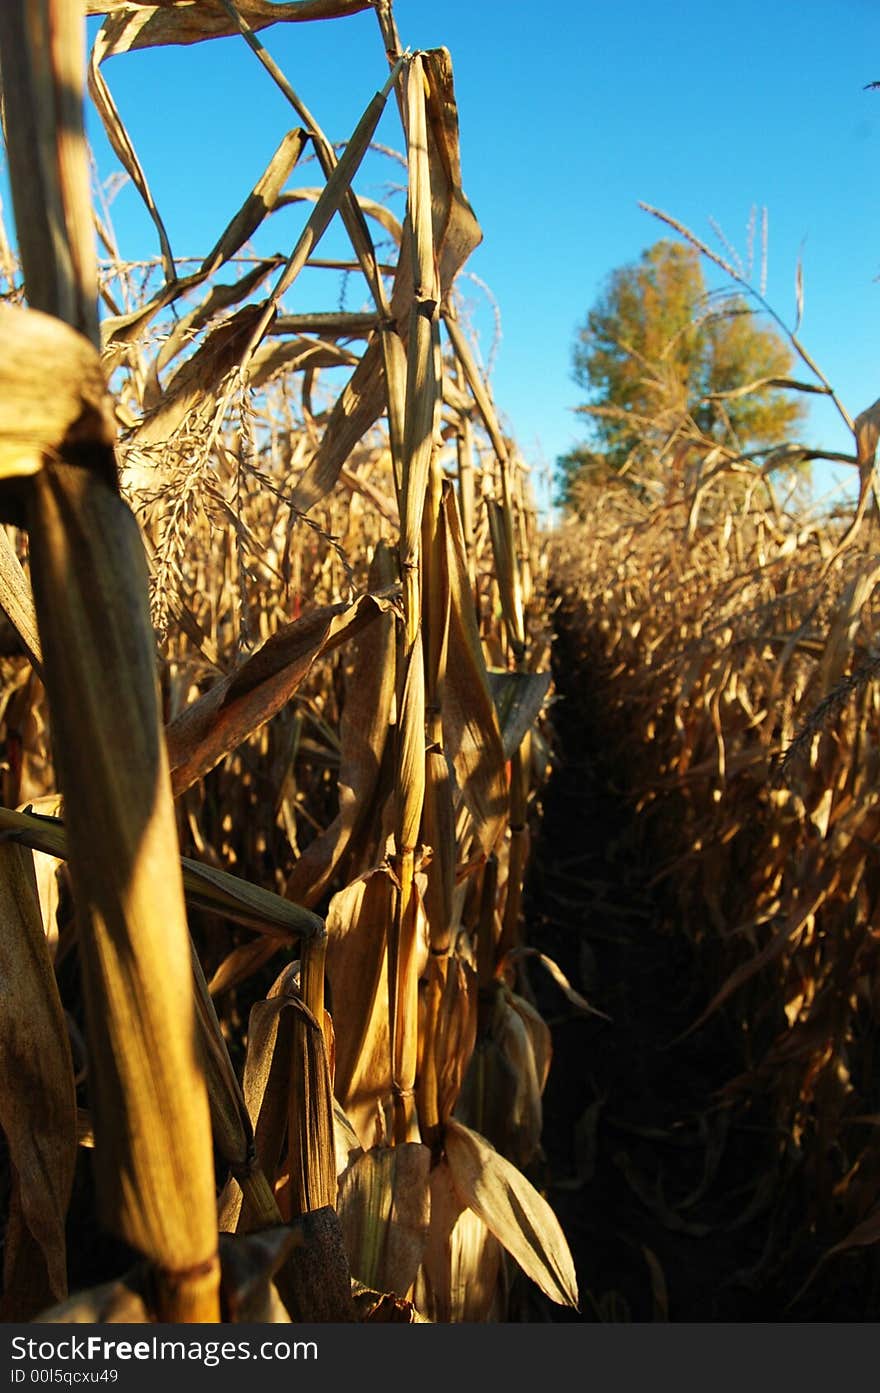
<point>355,410</point>
<point>411,750</point>
<point>287,1093</point>
<point>447,1032</point>
<point>37,1099</point>
<point>867,433</point>
<point>504,552</point>
<point>241,963</point>
<point>539,1033</point>
<point>358,921</point>
<point>220,297</point>
<point>345,1138</point>
<point>53,395</point>
<point>137,24</point>
<point>462,1272</point>
<point>843,626</point>
<point>513,1211</point>
<point>379,211</point>
<point>456,230</point>
<point>404,932</point>
<point>310,1161</point>
<point>260,201</point>
<point>555,971</point>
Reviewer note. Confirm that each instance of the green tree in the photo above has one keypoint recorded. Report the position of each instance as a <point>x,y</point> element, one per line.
<point>664,364</point>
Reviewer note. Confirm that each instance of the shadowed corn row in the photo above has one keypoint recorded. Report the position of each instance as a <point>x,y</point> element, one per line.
<point>736,663</point>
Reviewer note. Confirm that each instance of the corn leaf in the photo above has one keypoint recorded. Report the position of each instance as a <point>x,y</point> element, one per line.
<point>513,1211</point>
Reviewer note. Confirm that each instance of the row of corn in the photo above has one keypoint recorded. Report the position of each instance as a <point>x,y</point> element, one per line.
<point>260,940</point>
<point>733,645</point>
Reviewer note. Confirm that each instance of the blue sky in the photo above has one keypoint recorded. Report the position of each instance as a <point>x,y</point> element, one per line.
<point>570,114</point>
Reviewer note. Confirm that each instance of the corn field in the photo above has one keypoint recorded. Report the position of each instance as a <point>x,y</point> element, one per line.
<point>277,724</point>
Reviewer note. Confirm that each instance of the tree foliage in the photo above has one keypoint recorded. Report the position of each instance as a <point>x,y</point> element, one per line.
<point>674,374</point>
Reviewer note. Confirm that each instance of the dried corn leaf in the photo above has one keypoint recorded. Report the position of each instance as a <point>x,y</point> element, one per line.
<point>513,1211</point>
<point>501,1094</point>
<point>311,1151</point>
<point>16,595</point>
<point>382,215</point>
<point>193,390</point>
<point>358,922</point>
<point>133,24</point>
<point>519,699</point>
<point>363,733</point>
<point>242,963</point>
<point>345,1139</point>
<point>384,1209</point>
<point>867,433</point>
<point>37,1099</point>
<point>53,395</point>
<point>239,704</point>
<point>455,233</point>
<point>461,1277</point>
<point>266,1088</point>
<point>540,1033</point>
<point>262,199</point>
<point>205,887</point>
<point>230,1120</point>
<point>291,355</point>
<point>453,1030</point>
<point>470,724</point>
<point>357,408</point>
<point>456,230</point>
<point>562,982</point>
